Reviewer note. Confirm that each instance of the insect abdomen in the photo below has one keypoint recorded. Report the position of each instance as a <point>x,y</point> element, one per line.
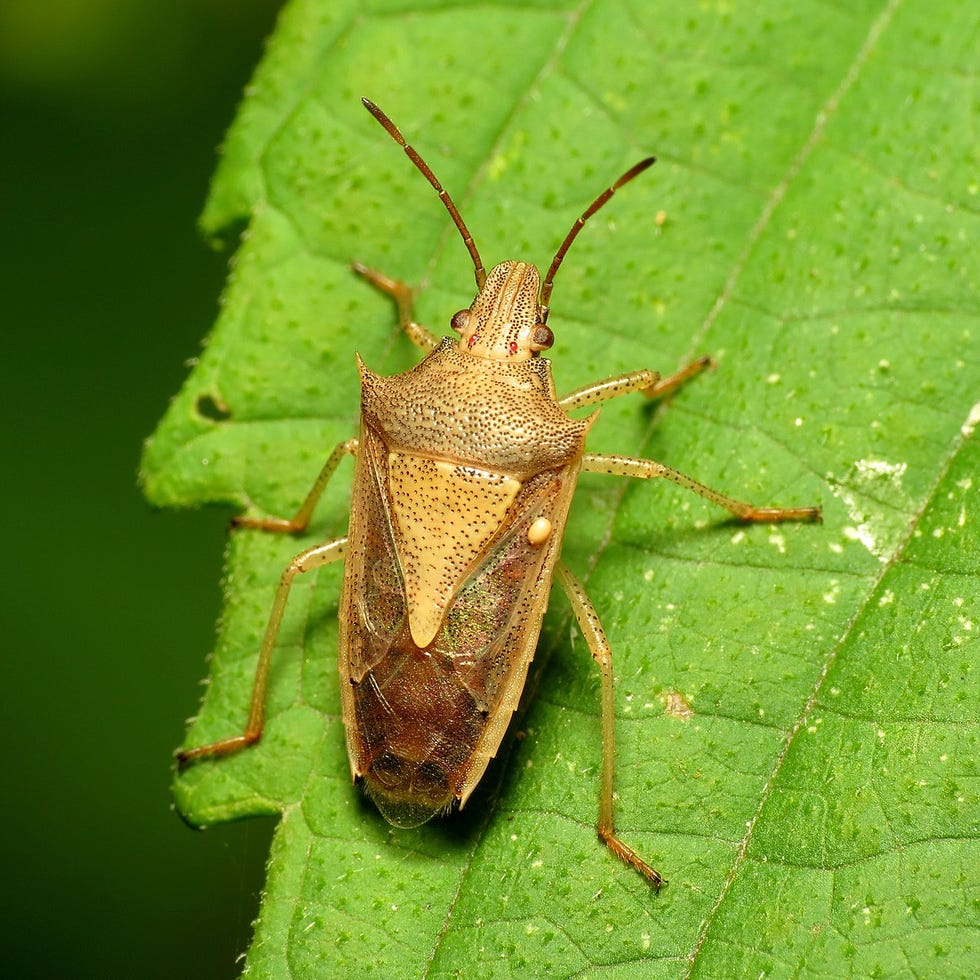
<point>417,727</point>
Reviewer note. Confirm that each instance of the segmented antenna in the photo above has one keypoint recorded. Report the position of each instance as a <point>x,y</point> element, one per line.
<point>413,155</point>
<point>548,283</point>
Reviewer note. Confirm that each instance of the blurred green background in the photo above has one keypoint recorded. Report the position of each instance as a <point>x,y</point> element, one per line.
<point>111,113</point>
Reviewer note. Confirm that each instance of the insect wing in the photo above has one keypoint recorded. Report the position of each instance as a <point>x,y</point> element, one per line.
<point>492,629</point>
<point>423,723</point>
<point>373,604</point>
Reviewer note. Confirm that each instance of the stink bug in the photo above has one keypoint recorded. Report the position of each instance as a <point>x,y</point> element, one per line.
<point>465,469</point>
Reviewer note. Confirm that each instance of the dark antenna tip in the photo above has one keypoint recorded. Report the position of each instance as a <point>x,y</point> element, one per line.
<point>548,283</point>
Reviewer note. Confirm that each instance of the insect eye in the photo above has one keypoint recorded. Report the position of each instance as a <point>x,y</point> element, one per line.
<point>542,338</point>
<point>459,320</point>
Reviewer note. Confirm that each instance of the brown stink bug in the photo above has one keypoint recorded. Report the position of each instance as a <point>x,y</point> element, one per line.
<point>465,469</point>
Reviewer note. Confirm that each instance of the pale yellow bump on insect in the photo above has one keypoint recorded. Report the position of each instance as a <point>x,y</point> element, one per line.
<point>539,531</point>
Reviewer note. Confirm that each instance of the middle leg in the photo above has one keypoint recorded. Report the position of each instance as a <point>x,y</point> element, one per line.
<point>648,469</point>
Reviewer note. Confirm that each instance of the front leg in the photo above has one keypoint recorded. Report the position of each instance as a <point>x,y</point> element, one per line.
<point>401,293</point>
<point>647,383</point>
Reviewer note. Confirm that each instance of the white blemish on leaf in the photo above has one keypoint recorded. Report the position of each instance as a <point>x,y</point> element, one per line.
<point>971,421</point>
<point>867,481</point>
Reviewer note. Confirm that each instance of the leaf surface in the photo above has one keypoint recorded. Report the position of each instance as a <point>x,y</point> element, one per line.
<point>809,223</point>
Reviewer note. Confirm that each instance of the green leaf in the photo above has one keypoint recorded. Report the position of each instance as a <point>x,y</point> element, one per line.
<point>815,811</point>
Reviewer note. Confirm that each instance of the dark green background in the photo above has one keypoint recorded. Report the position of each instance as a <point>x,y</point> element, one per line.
<point>111,113</point>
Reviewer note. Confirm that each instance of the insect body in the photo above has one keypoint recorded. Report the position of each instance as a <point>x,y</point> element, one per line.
<point>465,469</point>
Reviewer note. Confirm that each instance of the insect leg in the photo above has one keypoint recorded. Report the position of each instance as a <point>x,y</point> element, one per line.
<point>648,469</point>
<point>305,561</point>
<point>595,637</point>
<point>301,518</point>
<point>648,383</point>
<point>672,382</point>
<point>401,293</point>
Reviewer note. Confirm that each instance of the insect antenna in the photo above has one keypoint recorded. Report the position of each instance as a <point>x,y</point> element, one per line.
<point>413,155</point>
<point>548,283</point>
